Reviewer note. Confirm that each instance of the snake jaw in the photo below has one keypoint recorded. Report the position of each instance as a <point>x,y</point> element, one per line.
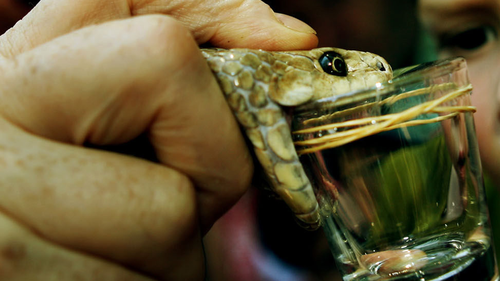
<point>292,88</point>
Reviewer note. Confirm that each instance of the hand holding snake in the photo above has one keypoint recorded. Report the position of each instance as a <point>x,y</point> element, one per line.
<point>104,73</point>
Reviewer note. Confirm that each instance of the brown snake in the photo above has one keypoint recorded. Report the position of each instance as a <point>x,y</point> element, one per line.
<point>259,84</point>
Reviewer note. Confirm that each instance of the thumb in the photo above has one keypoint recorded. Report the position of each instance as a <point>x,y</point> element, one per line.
<point>259,28</point>
<point>222,23</point>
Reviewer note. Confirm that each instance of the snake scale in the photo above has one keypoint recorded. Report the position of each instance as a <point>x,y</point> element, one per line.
<point>260,85</point>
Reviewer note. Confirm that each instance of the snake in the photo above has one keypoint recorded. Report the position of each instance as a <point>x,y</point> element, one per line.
<point>261,87</point>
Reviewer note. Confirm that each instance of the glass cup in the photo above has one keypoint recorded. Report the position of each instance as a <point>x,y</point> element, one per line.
<point>397,173</point>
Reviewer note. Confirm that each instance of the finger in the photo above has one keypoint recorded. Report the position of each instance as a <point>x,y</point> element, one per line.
<point>136,85</point>
<point>232,23</point>
<point>136,213</point>
<point>191,126</point>
<point>24,256</point>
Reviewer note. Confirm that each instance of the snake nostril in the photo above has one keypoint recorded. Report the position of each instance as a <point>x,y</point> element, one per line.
<point>380,66</point>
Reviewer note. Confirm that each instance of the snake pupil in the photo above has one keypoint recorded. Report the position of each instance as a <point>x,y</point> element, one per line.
<point>333,63</point>
<point>339,64</point>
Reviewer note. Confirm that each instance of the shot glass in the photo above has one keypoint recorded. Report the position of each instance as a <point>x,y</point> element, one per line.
<point>397,172</point>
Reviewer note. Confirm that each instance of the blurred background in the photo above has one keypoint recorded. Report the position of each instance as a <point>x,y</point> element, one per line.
<point>12,10</point>
<point>389,28</point>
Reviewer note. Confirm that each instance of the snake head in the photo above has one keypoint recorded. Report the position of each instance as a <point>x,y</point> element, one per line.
<point>331,71</point>
<point>257,84</point>
<point>363,70</point>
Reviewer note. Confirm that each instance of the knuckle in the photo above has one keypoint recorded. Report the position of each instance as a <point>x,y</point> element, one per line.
<point>159,47</point>
<point>171,215</point>
<point>164,36</point>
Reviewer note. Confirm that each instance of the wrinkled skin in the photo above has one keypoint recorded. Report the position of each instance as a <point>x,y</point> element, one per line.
<point>103,73</point>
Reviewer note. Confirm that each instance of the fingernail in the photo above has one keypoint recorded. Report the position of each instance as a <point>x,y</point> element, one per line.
<point>295,24</point>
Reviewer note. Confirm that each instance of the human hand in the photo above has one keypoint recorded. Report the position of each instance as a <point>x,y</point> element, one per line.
<point>77,72</point>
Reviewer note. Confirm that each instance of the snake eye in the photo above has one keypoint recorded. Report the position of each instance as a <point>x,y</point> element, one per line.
<point>333,63</point>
